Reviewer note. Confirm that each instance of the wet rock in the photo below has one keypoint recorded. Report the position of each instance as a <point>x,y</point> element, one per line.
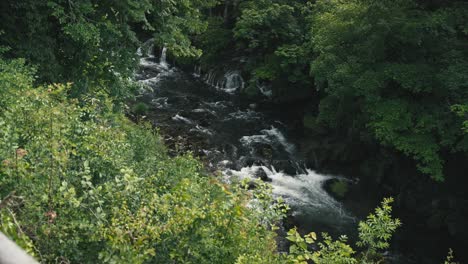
<point>261,174</point>
<point>285,166</point>
<point>252,185</point>
<point>204,122</point>
<point>226,164</point>
<point>247,161</point>
<point>265,151</point>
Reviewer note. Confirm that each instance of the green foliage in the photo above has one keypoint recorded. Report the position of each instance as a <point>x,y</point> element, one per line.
<point>81,183</point>
<point>93,44</point>
<point>10,227</point>
<point>265,37</point>
<point>174,21</point>
<point>374,235</point>
<point>334,252</point>
<point>275,16</point>
<point>387,72</point>
<point>299,251</point>
<point>462,111</point>
<point>393,68</point>
<point>94,186</point>
<point>450,258</point>
<point>376,232</point>
<point>215,41</point>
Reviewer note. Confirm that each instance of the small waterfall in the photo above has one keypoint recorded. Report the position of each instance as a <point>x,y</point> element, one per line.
<point>197,71</point>
<point>162,60</point>
<point>230,81</point>
<point>152,71</point>
<point>210,78</point>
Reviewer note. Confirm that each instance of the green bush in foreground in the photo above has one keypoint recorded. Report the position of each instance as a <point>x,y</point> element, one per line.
<point>374,234</point>
<point>81,184</point>
<point>92,186</point>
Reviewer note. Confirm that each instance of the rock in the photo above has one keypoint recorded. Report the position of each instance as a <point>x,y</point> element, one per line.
<point>338,188</point>
<point>261,174</point>
<point>247,161</point>
<point>285,166</point>
<point>252,185</point>
<point>266,151</point>
<point>226,164</point>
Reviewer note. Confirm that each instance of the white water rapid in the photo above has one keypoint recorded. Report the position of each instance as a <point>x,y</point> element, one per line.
<point>234,138</point>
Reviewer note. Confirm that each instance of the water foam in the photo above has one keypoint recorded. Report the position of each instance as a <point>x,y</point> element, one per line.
<point>202,130</point>
<point>276,133</point>
<point>304,192</point>
<point>271,137</point>
<point>161,102</point>
<point>180,118</point>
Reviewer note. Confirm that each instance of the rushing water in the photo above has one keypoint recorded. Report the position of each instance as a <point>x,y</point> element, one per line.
<point>236,139</point>
<point>204,113</point>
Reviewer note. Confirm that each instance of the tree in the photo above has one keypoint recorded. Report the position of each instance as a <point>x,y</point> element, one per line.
<point>93,43</point>
<point>394,69</point>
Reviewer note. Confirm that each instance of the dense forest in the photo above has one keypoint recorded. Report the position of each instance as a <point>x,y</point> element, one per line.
<point>375,89</point>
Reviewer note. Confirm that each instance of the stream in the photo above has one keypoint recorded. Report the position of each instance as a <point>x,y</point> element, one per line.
<point>206,115</point>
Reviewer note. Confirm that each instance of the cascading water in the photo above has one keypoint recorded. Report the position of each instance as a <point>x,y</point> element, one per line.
<point>152,70</point>
<point>229,82</point>
<point>232,82</point>
<point>233,138</point>
<point>162,60</point>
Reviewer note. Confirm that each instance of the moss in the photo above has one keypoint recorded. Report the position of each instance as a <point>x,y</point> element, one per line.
<point>339,188</point>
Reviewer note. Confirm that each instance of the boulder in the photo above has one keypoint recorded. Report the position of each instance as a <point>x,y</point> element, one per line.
<point>261,174</point>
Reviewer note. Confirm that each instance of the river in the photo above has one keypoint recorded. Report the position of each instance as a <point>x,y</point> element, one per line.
<point>205,114</point>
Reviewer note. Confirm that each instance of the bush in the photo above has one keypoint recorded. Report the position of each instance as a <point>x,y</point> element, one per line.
<point>80,183</point>
<point>94,186</point>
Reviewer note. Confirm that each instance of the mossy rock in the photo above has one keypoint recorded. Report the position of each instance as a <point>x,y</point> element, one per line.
<point>337,188</point>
